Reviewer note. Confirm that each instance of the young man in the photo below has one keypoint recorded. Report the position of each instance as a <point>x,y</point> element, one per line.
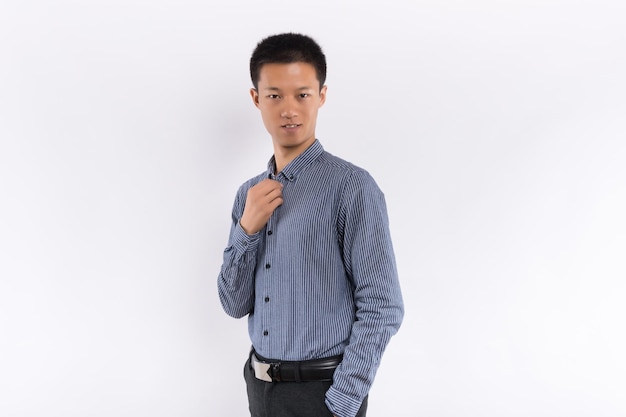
<point>309,256</point>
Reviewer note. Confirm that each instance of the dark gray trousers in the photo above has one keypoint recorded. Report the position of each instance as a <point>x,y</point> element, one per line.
<point>288,399</point>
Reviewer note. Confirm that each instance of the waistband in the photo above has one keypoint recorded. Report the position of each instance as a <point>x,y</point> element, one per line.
<point>271,370</point>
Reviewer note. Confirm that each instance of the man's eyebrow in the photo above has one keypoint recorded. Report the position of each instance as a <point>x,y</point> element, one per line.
<point>278,89</point>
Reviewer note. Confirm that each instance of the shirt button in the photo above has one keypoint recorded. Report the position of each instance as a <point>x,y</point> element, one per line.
<point>267,299</point>
<point>267,266</point>
<point>265,333</point>
<point>269,233</point>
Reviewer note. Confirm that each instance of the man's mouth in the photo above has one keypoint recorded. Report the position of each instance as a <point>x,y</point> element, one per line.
<point>291,126</point>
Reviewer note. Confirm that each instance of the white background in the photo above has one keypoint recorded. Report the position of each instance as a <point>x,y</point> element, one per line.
<point>496,129</point>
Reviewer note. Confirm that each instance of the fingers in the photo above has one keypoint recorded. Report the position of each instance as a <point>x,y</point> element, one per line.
<point>261,201</point>
<point>268,185</point>
<point>270,190</point>
<point>275,194</point>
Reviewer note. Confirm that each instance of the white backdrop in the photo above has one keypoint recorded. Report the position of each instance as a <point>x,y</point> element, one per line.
<point>496,129</point>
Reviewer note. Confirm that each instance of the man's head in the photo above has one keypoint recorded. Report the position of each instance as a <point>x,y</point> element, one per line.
<point>288,72</point>
<point>287,48</point>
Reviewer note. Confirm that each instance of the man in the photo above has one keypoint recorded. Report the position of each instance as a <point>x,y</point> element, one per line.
<point>309,256</point>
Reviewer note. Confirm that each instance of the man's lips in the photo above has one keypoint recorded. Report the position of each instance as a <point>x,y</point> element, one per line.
<point>292,126</point>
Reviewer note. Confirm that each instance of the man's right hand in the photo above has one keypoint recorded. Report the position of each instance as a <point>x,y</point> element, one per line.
<point>261,201</point>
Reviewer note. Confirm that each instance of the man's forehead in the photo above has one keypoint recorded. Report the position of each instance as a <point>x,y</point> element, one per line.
<point>296,66</point>
<point>297,76</point>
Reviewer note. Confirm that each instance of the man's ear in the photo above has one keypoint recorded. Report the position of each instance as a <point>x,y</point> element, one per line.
<point>323,95</point>
<point>255,96</point>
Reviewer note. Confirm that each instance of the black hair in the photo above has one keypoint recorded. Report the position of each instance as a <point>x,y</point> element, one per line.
<point>287,48</point>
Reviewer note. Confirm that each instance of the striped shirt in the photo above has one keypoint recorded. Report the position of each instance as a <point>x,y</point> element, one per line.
<point>320,279</point>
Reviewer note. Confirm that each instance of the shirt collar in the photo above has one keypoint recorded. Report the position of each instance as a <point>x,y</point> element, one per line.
<point>293,168</point>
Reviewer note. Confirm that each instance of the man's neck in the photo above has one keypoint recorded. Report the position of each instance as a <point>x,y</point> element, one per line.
<point>283,156</point>
<point>282,161</point>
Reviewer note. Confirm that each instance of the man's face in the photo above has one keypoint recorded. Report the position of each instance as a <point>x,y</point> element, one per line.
<point>289,97</point>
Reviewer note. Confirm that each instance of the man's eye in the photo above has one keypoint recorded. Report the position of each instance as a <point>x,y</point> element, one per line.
<point>273,96</point>
<point>304,95</point>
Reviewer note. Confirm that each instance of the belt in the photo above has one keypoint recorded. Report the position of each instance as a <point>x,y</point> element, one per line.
<point>270,370</point>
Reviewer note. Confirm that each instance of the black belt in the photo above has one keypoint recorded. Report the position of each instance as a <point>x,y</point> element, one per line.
<point>270,370</point>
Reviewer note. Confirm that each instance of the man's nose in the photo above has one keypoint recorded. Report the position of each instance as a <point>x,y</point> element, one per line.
<point>289,109</point>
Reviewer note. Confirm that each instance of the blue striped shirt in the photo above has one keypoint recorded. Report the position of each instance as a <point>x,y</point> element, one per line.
<point>320,279</point>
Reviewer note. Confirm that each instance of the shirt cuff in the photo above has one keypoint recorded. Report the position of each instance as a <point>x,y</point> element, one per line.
<point>340,404</point>
<point>244,242</point>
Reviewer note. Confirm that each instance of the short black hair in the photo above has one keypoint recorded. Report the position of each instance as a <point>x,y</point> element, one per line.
<point>286,48</point>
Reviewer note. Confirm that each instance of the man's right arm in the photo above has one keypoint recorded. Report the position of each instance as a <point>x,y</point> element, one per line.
<point>235,283</point>
<point>236,280</point>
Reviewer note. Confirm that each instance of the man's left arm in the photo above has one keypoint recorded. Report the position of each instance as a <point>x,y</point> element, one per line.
<point>370,262</point>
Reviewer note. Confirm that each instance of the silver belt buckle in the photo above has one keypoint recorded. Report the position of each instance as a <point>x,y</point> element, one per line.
<point>260,370</point>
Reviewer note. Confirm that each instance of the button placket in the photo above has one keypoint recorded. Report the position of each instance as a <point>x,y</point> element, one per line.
<point>267,281</point>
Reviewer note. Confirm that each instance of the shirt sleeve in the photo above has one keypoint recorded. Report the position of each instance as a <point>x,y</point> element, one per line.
<point>235,283</point>
<point>369,261</point>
